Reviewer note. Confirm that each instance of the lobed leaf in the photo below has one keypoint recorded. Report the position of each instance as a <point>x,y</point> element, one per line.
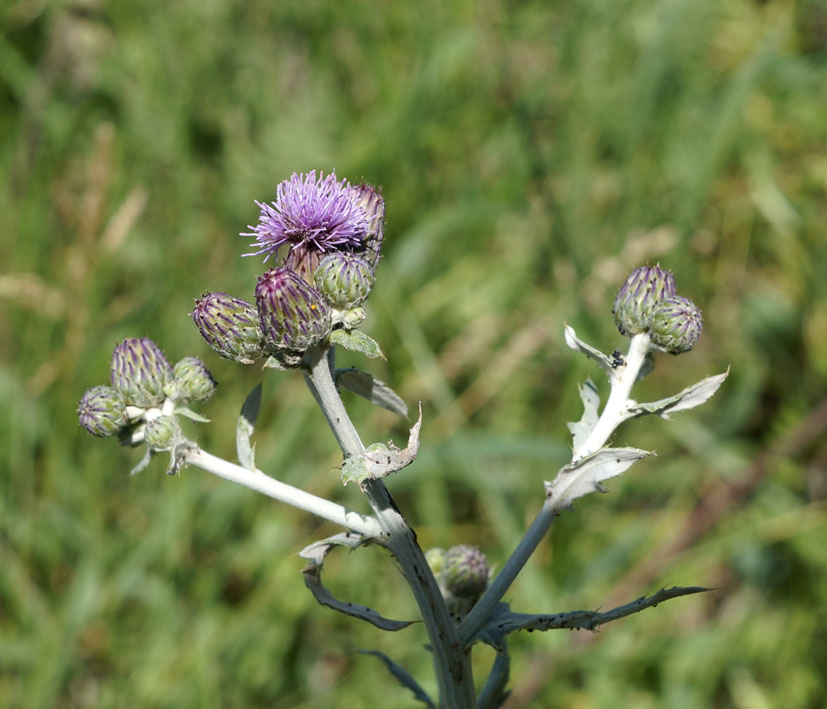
<point>581,429</point>
<point>689,398</point>
<point>315,555</point>
<point>576,344</point>
<point>403,676</point>
<point>245,427</point>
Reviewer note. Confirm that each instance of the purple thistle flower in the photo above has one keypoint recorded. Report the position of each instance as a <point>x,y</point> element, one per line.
<point>317,213</point>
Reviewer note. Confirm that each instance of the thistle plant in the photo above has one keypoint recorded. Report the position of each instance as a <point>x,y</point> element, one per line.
<point>324,237</point>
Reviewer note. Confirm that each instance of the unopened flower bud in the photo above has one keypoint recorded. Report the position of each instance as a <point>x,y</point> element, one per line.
<point>435,558</point>
<point>465,571</point>
<point>303,261</point>
<point>638,297</point>
<point>193,380</point>
<point>140,372</point>
<point>344,279</point>
<point>162,433</point>
<point>369,198</point>
<point>102,411</point>
<point>676,324</point>
<point>293,314</point>
<point>230,326</point>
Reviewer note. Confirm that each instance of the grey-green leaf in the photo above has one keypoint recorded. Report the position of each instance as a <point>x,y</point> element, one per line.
<point>581,429</point>
<point>587,474</point>
<point>578,345</point>
<point>315,555</point>
<point>689,398</point>
<point>245,427</point>
<point>356,341</point>
<point>372,389</point>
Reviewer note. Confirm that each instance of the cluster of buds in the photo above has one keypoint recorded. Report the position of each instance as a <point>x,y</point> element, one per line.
<point>145,394</point>
<point>332,232</point>
<point>462,573</point>
<point>648,302</point>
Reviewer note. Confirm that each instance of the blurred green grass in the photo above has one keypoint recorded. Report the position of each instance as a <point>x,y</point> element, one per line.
<point>530,155</point>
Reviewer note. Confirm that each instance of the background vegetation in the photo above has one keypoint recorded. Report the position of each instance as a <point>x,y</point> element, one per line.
<point>531,154</point>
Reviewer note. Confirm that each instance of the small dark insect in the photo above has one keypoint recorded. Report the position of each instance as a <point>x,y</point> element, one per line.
<point>617,359</point>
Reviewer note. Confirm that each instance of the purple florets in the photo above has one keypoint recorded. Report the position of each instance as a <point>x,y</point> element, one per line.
<point>313,213</point>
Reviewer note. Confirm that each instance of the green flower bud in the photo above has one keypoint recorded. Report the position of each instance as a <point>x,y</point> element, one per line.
<point>465,571</point>
<point>140,372</point>
<point>676,325</point>
<point>303,261</point>
<point>193,380</point>
<point>102,411</point>
<point>435,558</point>
<point>230,326</point>
<point>638,297</point>
<point>344,279</point>
<point>293,314</point>
<point>370,200</point>
<point>162,433</point>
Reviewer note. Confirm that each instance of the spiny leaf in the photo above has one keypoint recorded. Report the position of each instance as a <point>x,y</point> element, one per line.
<point>315,554</point>
<point>403,676</point>
<point>380,459</point>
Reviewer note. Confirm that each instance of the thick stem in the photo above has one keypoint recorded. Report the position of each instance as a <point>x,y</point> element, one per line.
<point>260,482</point>
<point>614,413</point>
<point>452,662</point>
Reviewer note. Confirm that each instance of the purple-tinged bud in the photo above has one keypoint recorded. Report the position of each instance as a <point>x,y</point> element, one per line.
<point>638,297</point>
<point>370,200</point>
<point>193,380</point>
<point>230,326</point>
<point>676,325</point>
<point>465,571</point>
<point>303,261</point>
<point>293,314</point>
<point>344,279</point>
<point>102,411</point>
<point>162,433</point>
<point>140,372</point>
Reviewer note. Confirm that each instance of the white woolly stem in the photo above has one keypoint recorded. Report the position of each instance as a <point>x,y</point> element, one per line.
<point>614,413</point>
<point>452,661</point>
<point>260,482</point>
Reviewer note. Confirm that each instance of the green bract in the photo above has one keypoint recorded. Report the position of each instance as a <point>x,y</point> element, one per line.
<point>345,280</point>
<point>162,433</point>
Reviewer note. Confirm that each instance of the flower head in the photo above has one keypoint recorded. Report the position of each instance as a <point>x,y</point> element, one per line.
<point>102,411</point>
<point>345,280</point>
<point>193,380</point>
<point>465,571</point>
<point>638,297</point>
<point>676,324</point>
<point>317,213</point>
<point>293,313</point>
<point>140,372</point>
<point>230,326</point>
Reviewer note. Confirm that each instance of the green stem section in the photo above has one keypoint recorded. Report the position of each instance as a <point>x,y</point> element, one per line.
<point>451,659</point>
